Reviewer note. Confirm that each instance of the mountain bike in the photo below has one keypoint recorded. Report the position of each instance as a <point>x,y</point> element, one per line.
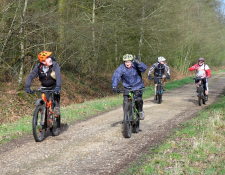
<point>200,90</point>
<point>159,89</point>
<point>131,114</point>
<point>43,117</point>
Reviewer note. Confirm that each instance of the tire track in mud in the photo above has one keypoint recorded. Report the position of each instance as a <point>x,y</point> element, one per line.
<point>97,145</point>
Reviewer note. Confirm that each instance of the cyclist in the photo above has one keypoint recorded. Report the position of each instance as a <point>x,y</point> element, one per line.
<point>130,73</point>
<point>49,75</point>
<point>202,70</point>
<point>159,71</point>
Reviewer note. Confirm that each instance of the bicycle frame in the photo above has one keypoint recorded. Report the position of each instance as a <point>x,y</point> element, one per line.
<point>43,117</point>
<point>201,90</point>
<point>131,114</point>
<point>159,89</point>
<point>47,106</point>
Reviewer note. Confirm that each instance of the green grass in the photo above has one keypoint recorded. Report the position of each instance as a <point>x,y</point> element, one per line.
<point>73,113</point>
<point>196,148</point>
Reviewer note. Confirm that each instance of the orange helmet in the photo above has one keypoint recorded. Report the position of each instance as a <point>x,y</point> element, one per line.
<point>44,55</point>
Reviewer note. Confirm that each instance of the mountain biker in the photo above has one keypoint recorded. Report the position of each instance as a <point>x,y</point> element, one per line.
<point>202,70</point>
<point>159,71</point>
<point>130,73</point>
<point>49,75</point>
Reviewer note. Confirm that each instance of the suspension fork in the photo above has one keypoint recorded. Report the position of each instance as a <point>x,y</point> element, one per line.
<point>45,106</point>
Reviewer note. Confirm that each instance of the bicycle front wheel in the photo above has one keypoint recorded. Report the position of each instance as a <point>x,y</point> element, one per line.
<point>203,96</point>
<point>135,126</point>
<point>55,129</point>
<point>199,96</point>
<point>38,128</point>
<point>159,94</point>
<point>127,119</point>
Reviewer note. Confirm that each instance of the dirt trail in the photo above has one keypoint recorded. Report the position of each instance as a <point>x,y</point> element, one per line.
<point>97,146</point>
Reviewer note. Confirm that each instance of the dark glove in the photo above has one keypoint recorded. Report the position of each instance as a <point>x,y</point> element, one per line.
<point>150,77</point>
<point>57,90</point>
<point>136,60</point>
<point>28,90</point>
<point>115,89</point>
<point>168,77</point>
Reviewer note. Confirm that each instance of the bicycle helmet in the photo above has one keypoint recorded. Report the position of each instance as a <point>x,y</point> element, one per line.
<point>128,57</point>
<point>161,59</point>
<point>201,59</point>
<point>42,56</point>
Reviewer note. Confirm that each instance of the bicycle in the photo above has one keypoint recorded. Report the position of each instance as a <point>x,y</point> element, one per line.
<point>159,89</point>
<point>200,90</point>
<point>131,114</point>
<point>43,117</point>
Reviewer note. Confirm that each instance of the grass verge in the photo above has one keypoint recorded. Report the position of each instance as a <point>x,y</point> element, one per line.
<point>197,148</point>
<point>73,113</point>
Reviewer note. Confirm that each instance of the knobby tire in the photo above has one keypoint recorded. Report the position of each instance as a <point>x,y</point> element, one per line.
<point>203,96</point>
<point>38,129</point>
<point>135,126</point>
<point>127,117</point>
<point>199,95</point>
<point>55,129</point>
<point>159,89</point>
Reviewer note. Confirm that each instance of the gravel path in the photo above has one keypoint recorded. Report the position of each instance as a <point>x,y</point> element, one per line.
<point>97,145</point>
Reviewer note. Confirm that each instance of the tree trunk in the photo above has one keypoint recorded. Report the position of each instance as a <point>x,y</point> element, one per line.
<point>142,31</point>
<point>22,43</point>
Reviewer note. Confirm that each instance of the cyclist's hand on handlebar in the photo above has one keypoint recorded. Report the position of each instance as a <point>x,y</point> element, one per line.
<point>115,89</point>
<point>168,76</point>
<point>150,77</point>
<point>57,90</point>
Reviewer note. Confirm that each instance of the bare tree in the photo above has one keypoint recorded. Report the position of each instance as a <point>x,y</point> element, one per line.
<point>22,37</point>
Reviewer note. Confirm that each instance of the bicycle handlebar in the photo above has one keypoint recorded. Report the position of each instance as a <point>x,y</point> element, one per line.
<point>158,78</point>
<point>198,78</point>
<point>130,90</point>
<point>42,90</point>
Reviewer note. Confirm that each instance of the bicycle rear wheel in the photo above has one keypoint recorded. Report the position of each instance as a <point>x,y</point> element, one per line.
<point>127,119</point>
<point>55,129</point>
<point>38,129</point>
<point>199,96</point>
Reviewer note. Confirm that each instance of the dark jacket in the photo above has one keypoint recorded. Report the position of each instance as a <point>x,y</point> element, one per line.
<point>159,69</point>
<point>130,77</point>
<point>46,79</point>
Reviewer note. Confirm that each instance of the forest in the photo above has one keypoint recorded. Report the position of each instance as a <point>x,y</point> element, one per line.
<point>89,37</point>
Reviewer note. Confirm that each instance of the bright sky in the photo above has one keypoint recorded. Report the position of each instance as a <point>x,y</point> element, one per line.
<point>223,6</point>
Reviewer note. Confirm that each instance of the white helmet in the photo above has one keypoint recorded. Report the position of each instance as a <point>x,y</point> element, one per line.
<point>161,59</point>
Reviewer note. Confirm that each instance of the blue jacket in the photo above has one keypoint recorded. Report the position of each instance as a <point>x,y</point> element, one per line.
<point>130,77</point>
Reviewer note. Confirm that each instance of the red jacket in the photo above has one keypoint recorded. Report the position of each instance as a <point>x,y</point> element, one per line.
<point>201,71</point>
